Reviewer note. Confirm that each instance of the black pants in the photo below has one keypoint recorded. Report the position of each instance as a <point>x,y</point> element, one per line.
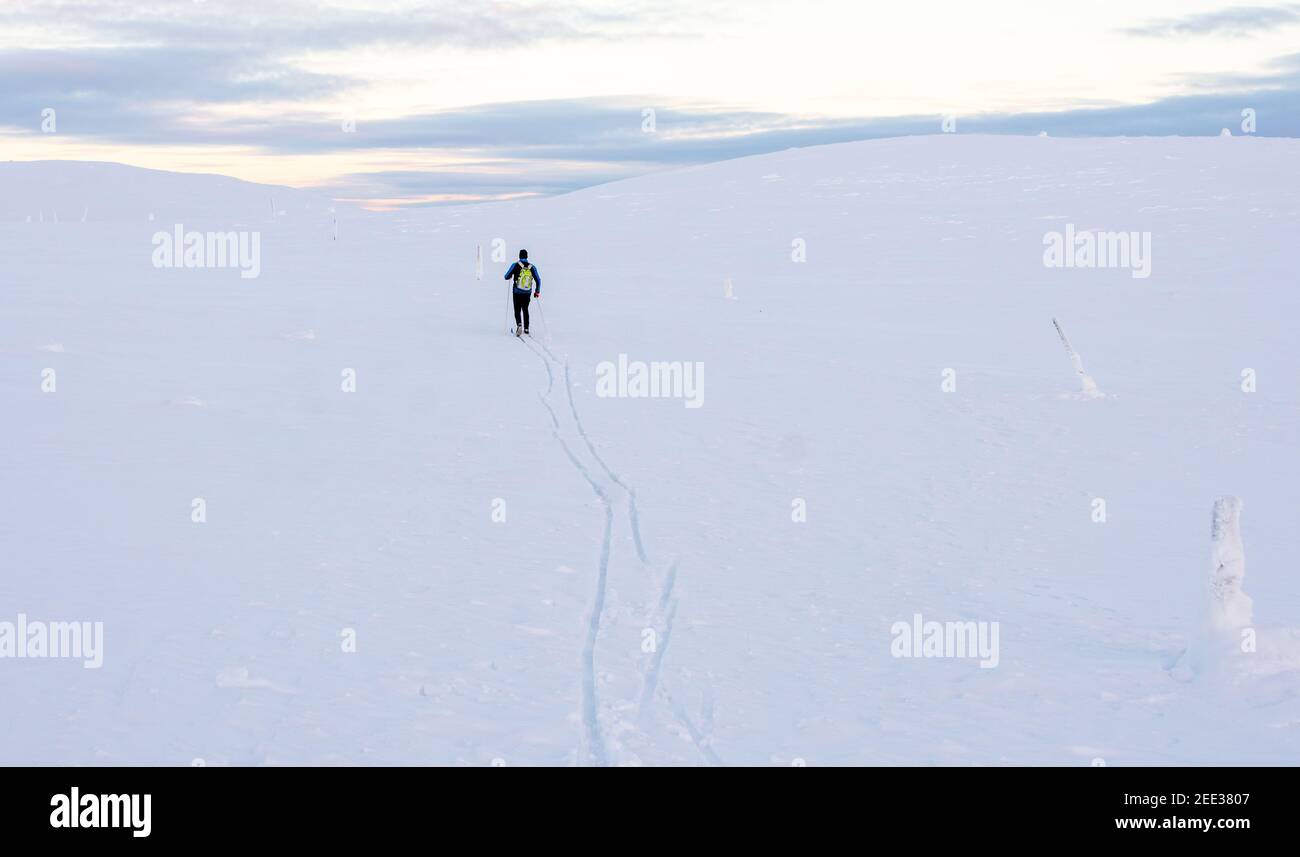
<point>521,306</point>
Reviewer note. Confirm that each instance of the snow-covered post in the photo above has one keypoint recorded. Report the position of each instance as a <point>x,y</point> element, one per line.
<point>1090,390</point>
<point>1228,611</point>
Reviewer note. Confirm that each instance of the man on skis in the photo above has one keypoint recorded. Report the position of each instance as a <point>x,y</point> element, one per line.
<point>527,284</point>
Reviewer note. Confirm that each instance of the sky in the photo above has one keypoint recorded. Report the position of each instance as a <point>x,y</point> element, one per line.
<point>426,103</point>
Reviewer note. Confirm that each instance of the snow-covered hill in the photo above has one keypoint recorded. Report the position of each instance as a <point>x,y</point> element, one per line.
<point>889,427</point>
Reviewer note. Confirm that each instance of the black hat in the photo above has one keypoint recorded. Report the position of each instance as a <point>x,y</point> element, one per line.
<point>523,254</point>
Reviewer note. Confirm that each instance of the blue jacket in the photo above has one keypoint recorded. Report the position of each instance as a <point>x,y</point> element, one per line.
<point>513,274</point>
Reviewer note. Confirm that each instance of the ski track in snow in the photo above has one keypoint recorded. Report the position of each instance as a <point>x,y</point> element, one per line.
<point>550,376</point>
<point>666,607</point>
<point>662,622</point>
<point>702,737</point>
<point>590,709</point>
<point>633,518</point>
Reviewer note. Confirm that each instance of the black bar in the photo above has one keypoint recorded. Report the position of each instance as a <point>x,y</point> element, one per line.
<point>331,806</point>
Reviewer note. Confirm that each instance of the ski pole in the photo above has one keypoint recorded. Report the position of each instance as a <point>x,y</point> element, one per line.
<point>542,315</point>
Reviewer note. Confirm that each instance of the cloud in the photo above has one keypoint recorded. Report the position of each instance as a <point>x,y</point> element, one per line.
<point>133,78</point>
<point>550,147</point>
<point>606,135</point>
<point>297,27</point>
<point>685,136</point>
<point>481,181</point>
<point>177,77</point>
<point>1278,73</point>
<point>166,71</point>
<point>1236,22</point>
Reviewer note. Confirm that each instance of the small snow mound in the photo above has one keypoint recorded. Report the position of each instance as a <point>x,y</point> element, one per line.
<point>190,401</point>
<point>1085,395</point>
<point>56,347</point>
<point>1225,133</point>
<point>301,336</point>
<point>238,678</point>
<point>1089,390</point>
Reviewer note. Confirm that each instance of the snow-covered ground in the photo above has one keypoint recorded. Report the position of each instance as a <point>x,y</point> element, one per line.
<point>827,391</point>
